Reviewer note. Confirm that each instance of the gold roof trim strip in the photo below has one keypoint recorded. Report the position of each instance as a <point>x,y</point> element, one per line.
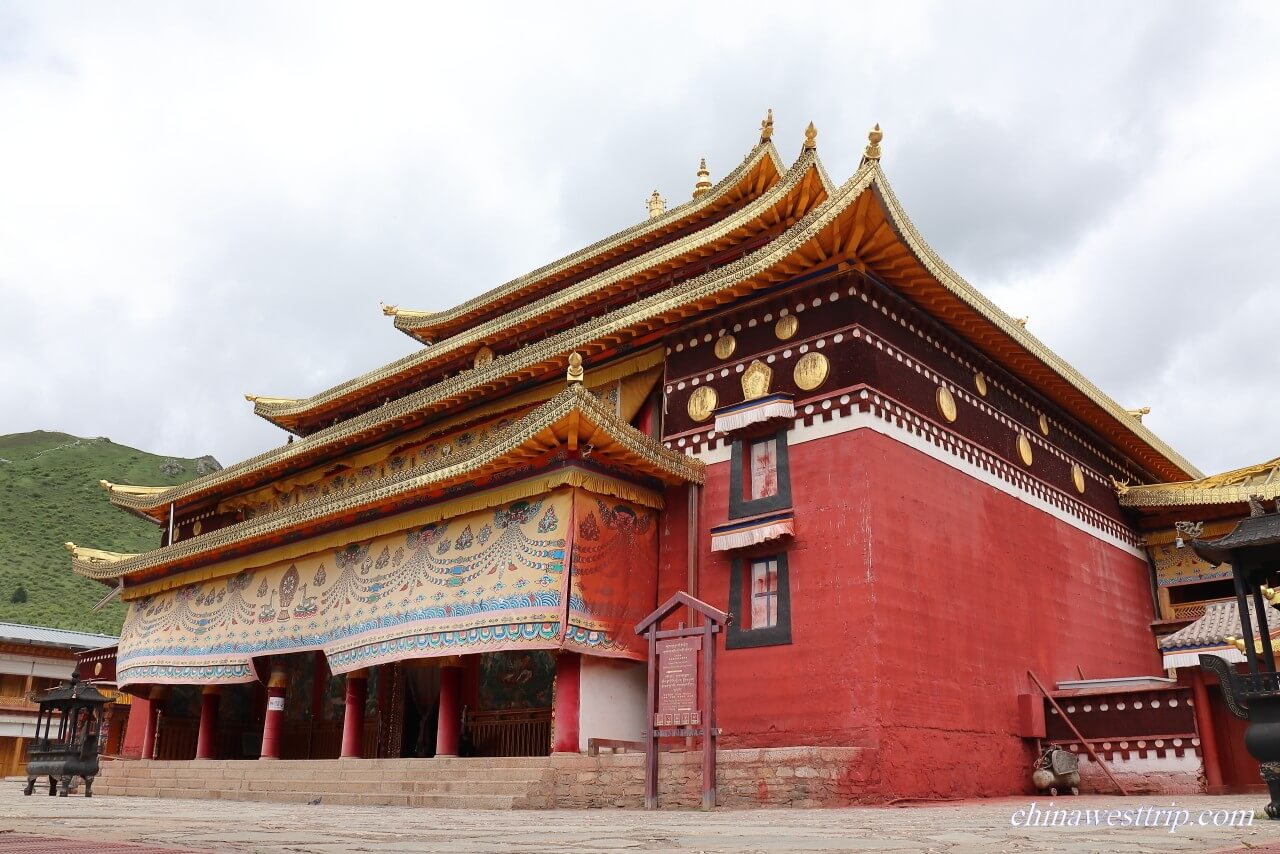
<point>954,282</point>
<point>575,399</point>
<point>272,410</point>
<point>1231,487</point>
<point>414,322</point>
<point>586,336</point>
<point>125,489</point>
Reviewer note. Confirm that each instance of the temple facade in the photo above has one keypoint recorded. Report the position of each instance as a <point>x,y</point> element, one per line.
<point>774,397</point>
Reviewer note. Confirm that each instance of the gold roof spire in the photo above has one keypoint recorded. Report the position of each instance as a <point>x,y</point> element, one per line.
<point>810,137</point>
<point>766,127</point>
<point>704,180</point>
<point>576,374</point>
<point>657,205</point>
<point>872,151</point>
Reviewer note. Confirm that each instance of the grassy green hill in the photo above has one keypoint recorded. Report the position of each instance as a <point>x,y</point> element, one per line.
<point>49,495</point>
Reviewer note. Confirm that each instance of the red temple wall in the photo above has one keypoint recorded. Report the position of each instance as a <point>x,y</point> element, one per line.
<point>920,596</point>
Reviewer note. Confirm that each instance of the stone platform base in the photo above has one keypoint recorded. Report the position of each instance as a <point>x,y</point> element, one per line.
<point>790,776</point>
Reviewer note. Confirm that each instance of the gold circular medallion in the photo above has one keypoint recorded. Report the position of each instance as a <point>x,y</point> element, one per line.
<point>811,371</point>
<point>97,669</point>
<point>1077,478</point>
<point>1024,448</point>
<point>483,357</point>
<point>980,382</point>
<point>196,528</point>
<point>725,345</point>
<point>946,404</point>
<point>702,403</point>
<point>786,327</point>
<point>1044,424</point>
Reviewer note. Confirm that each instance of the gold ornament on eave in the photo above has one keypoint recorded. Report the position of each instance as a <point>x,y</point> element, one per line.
<point>811,371</point>
<point>786,327</point>
<point>1024,449</point>
<point>755,380</point>
<point>946,404</point>
<point>576,373</point>
<point>657,205</point>
<point>766,127</point>
<point>725,345</point>
<point>702,403</point>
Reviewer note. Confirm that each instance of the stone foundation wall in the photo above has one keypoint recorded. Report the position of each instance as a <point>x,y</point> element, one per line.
<point>773,777</point>
<point>1149,774</point>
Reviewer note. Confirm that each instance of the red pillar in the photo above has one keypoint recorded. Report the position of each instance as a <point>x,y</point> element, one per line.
<point>353,714</point>
<point>449,724</point>
<point>149,734</point>
<point>567,702</point>
<point>275,713</point>
<point>1208,739</point>
<point>206,741</point>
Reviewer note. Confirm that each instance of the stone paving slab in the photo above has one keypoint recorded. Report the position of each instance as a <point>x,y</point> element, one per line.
<point>969,827</point>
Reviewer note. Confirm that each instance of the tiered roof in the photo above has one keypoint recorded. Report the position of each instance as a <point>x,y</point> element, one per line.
<point>1232,487</point>
<point>769,229</point>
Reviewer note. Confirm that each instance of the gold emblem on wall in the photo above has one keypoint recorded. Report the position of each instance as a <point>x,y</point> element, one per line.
<point>1044,424</point>
<point>755,380</point>
<point>786,327</point>
<point>702,403</point>
<point>196,528</point>
<point>811,371</point>
<point>946,404</point>
<point>980,382</point>
<point>483,357</point>
<point>1024,449</point>
<point>725,346</point>
<point>1077,478</point>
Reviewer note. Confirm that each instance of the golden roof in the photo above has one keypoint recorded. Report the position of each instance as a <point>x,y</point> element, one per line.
<point>861,222</point>
<point>803,186</point>
<point>1231,487</point>
<point>760,168</point>
<point>574,419</point>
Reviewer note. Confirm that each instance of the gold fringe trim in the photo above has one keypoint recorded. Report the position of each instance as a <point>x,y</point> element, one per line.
<point>571,477</point>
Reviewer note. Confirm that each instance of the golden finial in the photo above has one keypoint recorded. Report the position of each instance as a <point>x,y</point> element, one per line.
<point>657,205</point>
<point>1139,412</point>
<point>810,137</point>
<point>576,373</point>
<point>252,398</point>
<point>704,180</point>
<point>389,310</point>
<point>872,151</point>
<point>1021,321</point>
<point>766,127</point>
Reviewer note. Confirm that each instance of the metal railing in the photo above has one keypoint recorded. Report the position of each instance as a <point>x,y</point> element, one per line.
<point>513,732</point>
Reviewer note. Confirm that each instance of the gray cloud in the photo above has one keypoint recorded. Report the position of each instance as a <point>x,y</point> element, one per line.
<point>202,201</point>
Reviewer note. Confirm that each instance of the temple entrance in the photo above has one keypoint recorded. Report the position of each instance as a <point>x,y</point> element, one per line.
<point>511,715</point>
<point>421,709</point>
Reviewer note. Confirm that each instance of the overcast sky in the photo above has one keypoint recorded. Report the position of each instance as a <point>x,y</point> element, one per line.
<point>203,200</point>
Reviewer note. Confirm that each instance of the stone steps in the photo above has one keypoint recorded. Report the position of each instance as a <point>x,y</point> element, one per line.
<point>443,783</point>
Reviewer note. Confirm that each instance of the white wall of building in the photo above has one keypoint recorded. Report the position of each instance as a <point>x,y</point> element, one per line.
<point>44,668</point>
<point>612,702</point>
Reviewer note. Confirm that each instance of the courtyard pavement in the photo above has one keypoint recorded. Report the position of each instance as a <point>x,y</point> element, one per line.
<point>104,823</point>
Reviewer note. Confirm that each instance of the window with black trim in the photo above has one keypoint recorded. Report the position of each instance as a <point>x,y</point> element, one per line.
<point>760,601</point>
<point>759,475</point>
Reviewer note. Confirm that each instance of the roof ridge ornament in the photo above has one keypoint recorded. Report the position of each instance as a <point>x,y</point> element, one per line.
<point>703,186</point>
<point>871,154</point>
<point>389,310</point>
<point>657,205</point>
<point>1139,412</point>
<point>810,138</point>
<point>766,127</point>
<point>576,373</point>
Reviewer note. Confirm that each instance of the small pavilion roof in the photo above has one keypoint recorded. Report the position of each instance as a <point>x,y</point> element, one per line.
<point>1256,532</point>
<point>575,418</point>
<point>1232,487</point>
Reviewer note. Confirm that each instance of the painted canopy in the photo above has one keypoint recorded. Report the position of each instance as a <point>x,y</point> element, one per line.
<point>483,581</point>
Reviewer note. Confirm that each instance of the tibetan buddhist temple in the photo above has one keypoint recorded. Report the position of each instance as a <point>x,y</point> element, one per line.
<point>774,397</point>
